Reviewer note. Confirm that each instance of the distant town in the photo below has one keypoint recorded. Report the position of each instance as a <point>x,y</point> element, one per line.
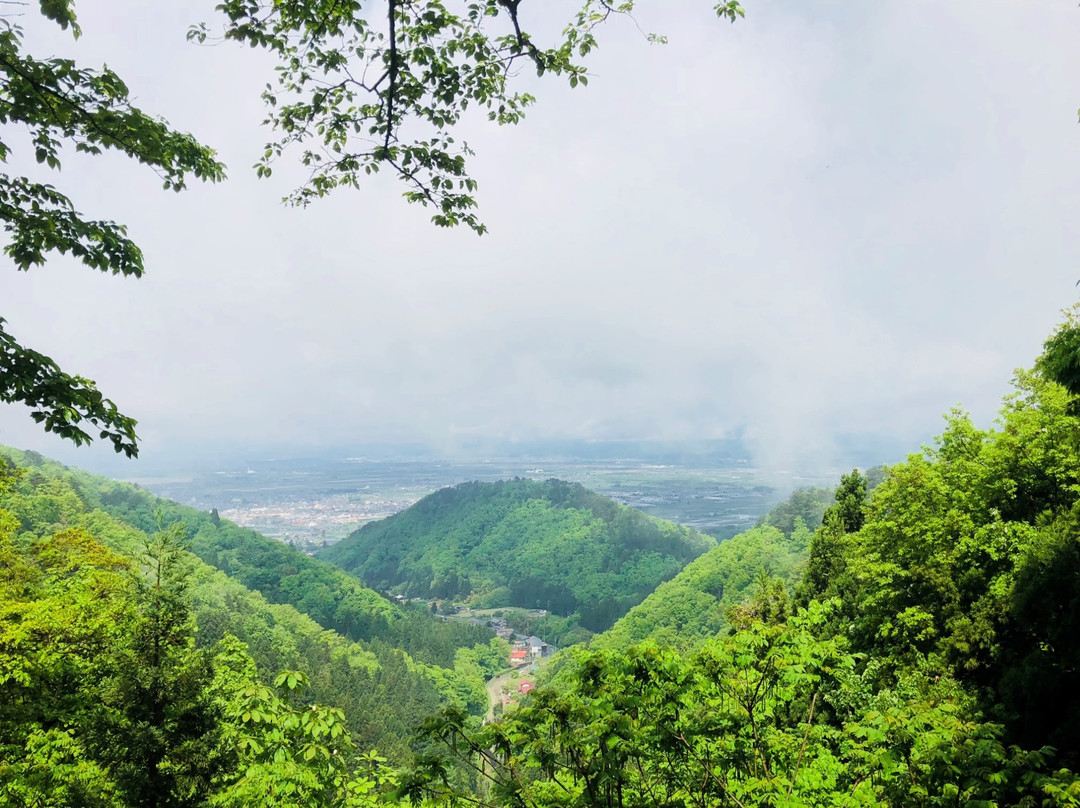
<point>311,523</point>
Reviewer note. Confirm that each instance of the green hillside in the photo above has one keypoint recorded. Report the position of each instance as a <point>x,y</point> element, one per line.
<point>550,545</point>
<point>917,649</point>
<point>386,689</point>
<point>279,572</point>
<point>695,604</point>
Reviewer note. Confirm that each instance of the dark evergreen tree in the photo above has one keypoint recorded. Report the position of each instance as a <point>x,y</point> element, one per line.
<point>161,729</point>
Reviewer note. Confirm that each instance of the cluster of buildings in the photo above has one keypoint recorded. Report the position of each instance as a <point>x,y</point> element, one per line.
<point>309,522</point>
<point>524,649</point>
<point>501,629</point>
<point>508,696</point>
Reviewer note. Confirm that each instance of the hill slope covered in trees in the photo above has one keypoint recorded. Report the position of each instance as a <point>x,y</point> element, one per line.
<point>551,545</point>
<point>693,606</point>
<point>279,572</point>
<point>696,604</point>
<point>389,668</point>
<point>920,651</point>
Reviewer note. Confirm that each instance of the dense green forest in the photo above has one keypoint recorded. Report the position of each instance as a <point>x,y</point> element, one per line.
<point>916,648</point>
<point>390,667</point>
<point>283,574</point>
<point>697,603</point>
<point>539,545</point>
<point>694,605</point>
<point>714,589</point>
<point>923,654</point>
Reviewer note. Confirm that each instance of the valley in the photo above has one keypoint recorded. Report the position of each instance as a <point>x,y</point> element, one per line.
<point>906,632</point>
<point>643,500</point>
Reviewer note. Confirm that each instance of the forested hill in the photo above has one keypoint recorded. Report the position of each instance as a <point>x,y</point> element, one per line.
<point>696,604</point>
<point>693,606</point>
<point>61,530</point>
<point>917,649</point>
<point>552,545</point>
<point>279,572</point>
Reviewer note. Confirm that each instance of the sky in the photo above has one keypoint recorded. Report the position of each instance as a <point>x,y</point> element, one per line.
<point>827,220</point>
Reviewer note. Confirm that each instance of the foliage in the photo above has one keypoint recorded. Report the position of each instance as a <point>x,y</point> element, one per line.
<point>846,515</point>
<point>702,599</point>
<point>164,745</point>
<point>771,716</point>
<point>552,545</point>
<point>927,659</point>
<point>968,559</point>
<point>807,504</point>
<point>695,605</point>
<point>103,696</point>
<point>385,691</point>
<point>561,632</point>
<point>57,104</point>
<point>363,87</point>
<point>63,403</point>
<point>59,620</point>
<point>294,755</point>
<point>105,701</point>
<point>278,571</point>
<point>352,96</point>
<point>1060,361</point>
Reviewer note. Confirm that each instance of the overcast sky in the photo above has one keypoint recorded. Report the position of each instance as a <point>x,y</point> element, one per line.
<point>829,218</point>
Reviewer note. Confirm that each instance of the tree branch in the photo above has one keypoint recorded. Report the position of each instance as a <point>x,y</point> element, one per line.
<point>392,73</point>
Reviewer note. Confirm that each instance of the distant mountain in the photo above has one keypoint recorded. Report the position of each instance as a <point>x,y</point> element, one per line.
<point>551,545</point>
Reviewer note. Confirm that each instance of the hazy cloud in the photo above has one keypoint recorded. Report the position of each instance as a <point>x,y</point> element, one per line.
<point>828,218</point>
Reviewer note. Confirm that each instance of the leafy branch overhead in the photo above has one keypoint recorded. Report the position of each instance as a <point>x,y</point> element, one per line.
<point>66,405</point>
<point>361,87</point>
<point>353,96</point>
<point>61,105</point>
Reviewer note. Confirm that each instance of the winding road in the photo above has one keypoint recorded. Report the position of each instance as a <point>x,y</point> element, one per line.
<point>494,689</point>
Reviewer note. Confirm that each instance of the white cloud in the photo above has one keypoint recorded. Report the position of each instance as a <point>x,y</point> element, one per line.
<point>844,217</point>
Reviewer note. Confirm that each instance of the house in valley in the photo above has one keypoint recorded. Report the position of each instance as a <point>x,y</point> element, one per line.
<point>537,648</point>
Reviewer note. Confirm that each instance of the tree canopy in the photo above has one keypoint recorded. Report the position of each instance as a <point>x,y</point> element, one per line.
<point>362,87</point>
<point>918,649</point>
<point>388,666</point>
